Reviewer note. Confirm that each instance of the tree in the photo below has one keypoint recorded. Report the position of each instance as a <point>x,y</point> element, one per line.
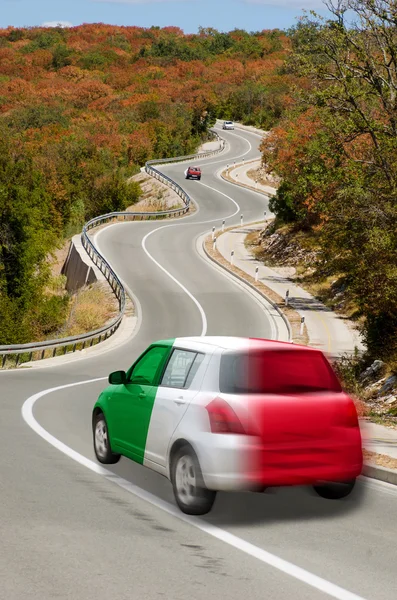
<point>352,75</point>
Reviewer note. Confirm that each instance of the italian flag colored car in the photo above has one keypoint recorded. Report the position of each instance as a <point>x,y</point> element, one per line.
<point>225,414</point>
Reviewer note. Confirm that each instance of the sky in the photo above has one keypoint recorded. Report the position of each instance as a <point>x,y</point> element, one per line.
<point>224,15</point>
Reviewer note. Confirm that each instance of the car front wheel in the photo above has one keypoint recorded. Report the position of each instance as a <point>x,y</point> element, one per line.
<point>335,491</point>
<point>191,495</point>
<point>102,448</point>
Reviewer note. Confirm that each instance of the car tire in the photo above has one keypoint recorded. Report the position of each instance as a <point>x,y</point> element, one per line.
<point>190,493</point>
<point>199,178</point>
<point>102,447</point>
<point>335,491</point>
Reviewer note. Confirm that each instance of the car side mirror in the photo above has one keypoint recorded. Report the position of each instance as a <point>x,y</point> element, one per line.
<point>118,378</point>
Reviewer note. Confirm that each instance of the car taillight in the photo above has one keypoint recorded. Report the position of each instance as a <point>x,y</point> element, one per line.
<point>351,415</point>
<point>223,419</point>
<point>347,416</point>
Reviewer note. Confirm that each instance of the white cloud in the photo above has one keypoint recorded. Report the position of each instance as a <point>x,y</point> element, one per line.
<point>299,4</point>
<point>57,24</point>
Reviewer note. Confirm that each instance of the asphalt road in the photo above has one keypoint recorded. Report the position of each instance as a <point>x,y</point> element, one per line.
<point>70,529</point>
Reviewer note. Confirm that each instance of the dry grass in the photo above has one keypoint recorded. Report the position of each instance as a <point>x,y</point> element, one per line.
<point>91,308</point>
<point>304,271</point>
<point>292,316</point>
<point>59,258</point>
<point>382,460</point>
<point>156,196</point>
<point>261,177</point>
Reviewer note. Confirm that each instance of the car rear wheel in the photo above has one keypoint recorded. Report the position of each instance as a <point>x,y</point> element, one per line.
<point>191,495</point>
<point>102,448</point>
<point>335,491</point>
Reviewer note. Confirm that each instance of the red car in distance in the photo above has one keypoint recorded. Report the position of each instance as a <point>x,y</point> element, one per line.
<point>193,173</point>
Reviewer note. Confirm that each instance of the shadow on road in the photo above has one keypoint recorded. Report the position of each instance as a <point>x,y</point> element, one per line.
<point>281,505</point>
<point>276,505</point>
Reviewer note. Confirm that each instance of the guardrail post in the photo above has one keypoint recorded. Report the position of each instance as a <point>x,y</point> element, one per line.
<point>302,325</point>
<point>242,220</point>
<point>214,246</point>
<point>42,354</point>
<point>287,298</point>
<point>232,258</point>
<point>223,225</point>
<point>3,362</point>
<point>213,232</point>
<point>256,273</point>
<point>54,352</point>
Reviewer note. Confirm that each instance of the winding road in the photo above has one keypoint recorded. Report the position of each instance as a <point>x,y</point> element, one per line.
<point>71,529</point>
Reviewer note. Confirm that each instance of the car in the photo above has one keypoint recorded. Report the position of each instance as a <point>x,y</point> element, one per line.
<point>193,173</point>
<point>227,414</point>
<point>228,125</point>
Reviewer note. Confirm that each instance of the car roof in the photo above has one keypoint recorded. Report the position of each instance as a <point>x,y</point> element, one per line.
<point>235,343</point>
<point>195,168</point>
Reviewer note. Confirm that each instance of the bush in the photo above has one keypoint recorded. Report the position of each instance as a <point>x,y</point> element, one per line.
<point>35,117</point>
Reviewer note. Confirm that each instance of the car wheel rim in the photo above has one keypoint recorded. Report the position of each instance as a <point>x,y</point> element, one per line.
<point>185,477</point>
<point>101,438</point>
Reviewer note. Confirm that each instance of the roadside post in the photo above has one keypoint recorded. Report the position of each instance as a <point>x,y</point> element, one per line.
<point>302,325</point>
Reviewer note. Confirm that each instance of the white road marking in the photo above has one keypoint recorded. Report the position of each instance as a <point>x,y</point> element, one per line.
<point>318,583</point>
<point>174,279</point>
<point>193,298</point>
<point>233,158</point>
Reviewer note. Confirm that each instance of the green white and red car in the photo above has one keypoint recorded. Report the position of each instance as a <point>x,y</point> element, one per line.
<point>226,414</point>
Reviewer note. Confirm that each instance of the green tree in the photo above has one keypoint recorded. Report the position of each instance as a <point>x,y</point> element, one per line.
<point>349,67</point>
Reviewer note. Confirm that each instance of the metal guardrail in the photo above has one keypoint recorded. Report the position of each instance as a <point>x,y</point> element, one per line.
<point>21,353</point>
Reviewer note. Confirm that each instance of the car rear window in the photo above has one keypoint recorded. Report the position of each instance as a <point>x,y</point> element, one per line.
<point>276,372</point>
<point>195,169</point>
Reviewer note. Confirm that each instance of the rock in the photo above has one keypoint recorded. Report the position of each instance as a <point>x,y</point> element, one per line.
<point>376,366</point>
<point>390,400</point>
<point>388,385</point>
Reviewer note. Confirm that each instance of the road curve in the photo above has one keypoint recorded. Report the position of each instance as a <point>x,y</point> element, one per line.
<point>69,532</point>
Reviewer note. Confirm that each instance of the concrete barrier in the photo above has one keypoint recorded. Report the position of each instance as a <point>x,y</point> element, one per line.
<point>78,268</point>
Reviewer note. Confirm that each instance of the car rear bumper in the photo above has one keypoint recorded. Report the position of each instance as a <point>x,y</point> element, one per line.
<point>233,463</point>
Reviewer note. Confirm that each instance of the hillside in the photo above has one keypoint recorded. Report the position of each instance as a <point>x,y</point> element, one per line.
<point>82,109</point>
<point>335,153</point>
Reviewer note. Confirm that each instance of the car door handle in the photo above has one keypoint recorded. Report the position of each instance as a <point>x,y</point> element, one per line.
<point>179,401</point>
<point>142,395</point>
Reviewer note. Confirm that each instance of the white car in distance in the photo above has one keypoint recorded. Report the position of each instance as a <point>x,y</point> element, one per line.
<point>228,125</point>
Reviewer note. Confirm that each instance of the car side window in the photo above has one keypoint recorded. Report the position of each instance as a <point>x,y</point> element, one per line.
<point>178,373</point>
<point>195,366</point>
<point>145,371</point>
